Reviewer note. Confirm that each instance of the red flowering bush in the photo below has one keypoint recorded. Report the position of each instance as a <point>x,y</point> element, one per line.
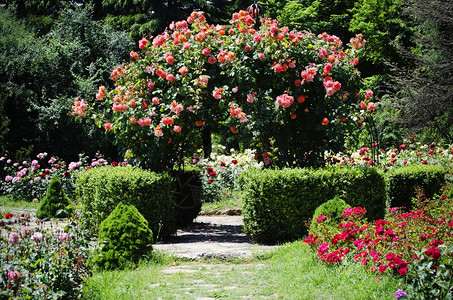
<point>295,90</point>
<point>396,245</point>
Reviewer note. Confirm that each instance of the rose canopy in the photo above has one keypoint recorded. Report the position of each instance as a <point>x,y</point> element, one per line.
<point>291,93</point>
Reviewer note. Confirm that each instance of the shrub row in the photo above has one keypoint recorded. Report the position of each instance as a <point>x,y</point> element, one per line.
<point>403,183</point>
<point>278,204</point>
<point>101,189</point>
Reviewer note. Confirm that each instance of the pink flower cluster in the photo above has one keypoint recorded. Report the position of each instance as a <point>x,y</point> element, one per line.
<point>79,107</point>
<point>285,100</point>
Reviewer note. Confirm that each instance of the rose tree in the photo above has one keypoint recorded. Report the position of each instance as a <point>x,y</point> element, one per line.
<point>291,93</point>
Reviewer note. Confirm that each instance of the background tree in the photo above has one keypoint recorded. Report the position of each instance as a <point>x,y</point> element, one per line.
<point>385,28</point>
<point>426,90</point>
<point>332,17</point>
<point>41,75</point>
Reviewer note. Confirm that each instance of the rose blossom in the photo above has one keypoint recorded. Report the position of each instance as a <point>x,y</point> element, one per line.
<point>37,236</point>
<point>13,238</point>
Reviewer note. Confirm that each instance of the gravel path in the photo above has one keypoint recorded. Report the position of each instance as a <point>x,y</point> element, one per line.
<point>212,237</point>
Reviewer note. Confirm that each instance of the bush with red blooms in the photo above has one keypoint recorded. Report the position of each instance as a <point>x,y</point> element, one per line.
<point>416,245</point>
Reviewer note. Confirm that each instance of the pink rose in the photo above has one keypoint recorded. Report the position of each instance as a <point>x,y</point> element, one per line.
<point>142,43</point>
<point>170,77</point>
<point>183,70</point>
<point>177,128</point>
<point>107,126</point>
<point>206,51</point>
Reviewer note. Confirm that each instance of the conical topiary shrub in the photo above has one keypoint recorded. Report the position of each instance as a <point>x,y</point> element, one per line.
<point>124,238</point>
<point>55,202</point>
<point>332,208</point>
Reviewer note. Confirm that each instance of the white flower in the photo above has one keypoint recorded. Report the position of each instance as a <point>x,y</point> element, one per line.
<point>37,236</point>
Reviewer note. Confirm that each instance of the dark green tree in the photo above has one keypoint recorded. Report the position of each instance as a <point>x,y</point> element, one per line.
<point>426,90</point>
<point>4,121</point>
<point>41,75</point>
<point>124,238</point>
<point>55,202</point>
<point>332,17</point>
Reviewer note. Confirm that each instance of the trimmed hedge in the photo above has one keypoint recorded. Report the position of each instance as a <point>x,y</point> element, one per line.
<point>403,182</point>
<point>279,204</point>
<point>100,190</point>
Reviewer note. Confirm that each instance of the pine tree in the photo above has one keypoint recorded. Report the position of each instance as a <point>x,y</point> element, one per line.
<point>124,237</point>
<point>55,202</point>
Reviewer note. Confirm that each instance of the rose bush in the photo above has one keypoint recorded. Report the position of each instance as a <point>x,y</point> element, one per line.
<point>288,91</point>
<point>43,264</point>
<point>29,180</point>
<point>221,172</point>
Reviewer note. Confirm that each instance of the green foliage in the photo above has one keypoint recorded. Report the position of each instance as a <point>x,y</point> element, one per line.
<point>384,27</point>
<point>332,209</point>
<point>75,54</point>
<point>124,238</point>
<point>99,190</point>
<point>278,204</point>
<point>450,193</point>
<point>55,203</point>
<point>403,183</point>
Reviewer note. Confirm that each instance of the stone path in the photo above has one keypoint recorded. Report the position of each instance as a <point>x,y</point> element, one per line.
<point>212,237</point>
<point>217,236</point>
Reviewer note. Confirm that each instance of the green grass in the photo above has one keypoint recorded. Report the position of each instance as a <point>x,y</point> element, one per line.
<point>8,202</point>
<point>292,272</point>
<point>232,201</point>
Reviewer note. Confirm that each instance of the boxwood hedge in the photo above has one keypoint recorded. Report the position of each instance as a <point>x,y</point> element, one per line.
<point>279,204</point>
<point>403,183</point>
<point>100,190</point>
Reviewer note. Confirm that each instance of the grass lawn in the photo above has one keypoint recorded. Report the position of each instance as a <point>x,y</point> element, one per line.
<point>291,272</point>
<point>231,202</point>
<point>9,202</point>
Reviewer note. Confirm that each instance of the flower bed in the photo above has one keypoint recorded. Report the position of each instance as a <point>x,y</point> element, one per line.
<point>28,180</point>
<point>416,245</point>
<point>38,263</point>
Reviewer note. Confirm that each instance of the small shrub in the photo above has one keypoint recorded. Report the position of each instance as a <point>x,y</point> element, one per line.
<point>124,238</point>
<point>99,191</point>
<point>331,209</point>
<point>404,182</point>
<point>55,202</point>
